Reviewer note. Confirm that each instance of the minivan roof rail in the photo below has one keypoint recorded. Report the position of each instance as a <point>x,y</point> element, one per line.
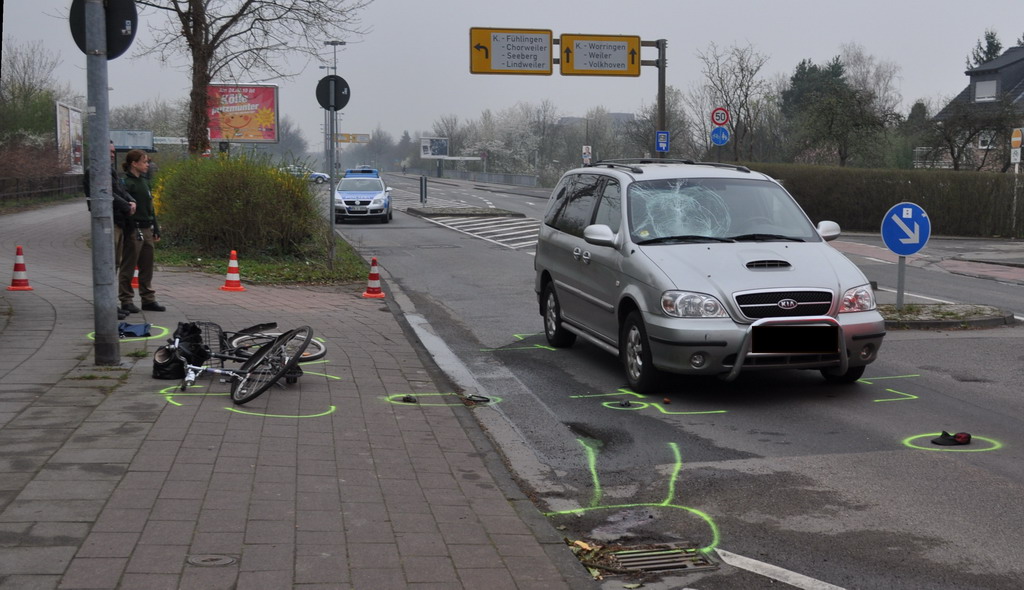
<point>632,162</point>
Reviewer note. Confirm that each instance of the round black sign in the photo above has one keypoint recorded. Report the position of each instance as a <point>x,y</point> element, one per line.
<point>332,92</point>
<point>121,17</point>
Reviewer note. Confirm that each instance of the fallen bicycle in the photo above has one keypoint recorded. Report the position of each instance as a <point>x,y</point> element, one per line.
<point>265,357</point>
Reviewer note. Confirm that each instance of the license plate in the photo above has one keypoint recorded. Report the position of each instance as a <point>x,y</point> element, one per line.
<point>357,208</point>
<point>795,339</point>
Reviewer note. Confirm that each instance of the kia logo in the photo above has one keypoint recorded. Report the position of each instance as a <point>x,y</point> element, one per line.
<point>787,304</point>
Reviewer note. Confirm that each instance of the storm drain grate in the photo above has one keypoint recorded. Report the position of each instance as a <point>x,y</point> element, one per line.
<point>662,558</point>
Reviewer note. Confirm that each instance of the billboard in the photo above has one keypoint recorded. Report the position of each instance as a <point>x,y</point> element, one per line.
<point>242,113</point>
<point>69,138</point>
<point>433,148</point>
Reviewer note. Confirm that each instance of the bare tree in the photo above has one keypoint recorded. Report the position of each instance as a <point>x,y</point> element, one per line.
<point>640,133</point>
<point>449,126</point>
<point>961,124</point>
<point>734,78</point>
<point>28,89</point>
<point>160,117</point>
<point>232,41</point>
<point>877,77</point>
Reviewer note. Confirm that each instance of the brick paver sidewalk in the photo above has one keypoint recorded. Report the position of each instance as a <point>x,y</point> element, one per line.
<point>112,479</point>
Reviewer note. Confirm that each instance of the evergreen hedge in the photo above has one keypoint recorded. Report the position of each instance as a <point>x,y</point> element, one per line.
<point>974,204</point>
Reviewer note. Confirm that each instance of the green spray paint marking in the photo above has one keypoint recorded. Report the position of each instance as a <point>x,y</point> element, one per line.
<point>640,405</point>
<point>521,337</point>
<point>666,503</point>
<point>320,374</point>
<point>591,450</point>
<point>906,396</point>
<point>154,332</point>
<point>396,398</point>
<point>910,442</point>
<point>237,411</point>
<point>170,392</point>
<point>872,380</point>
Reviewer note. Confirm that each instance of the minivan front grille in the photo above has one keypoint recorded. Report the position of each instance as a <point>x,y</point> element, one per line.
<point>782,304</point>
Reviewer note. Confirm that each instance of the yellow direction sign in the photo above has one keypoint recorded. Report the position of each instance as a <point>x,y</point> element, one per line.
<point>1015,137</point>
<point>352,137</point>
<point>599,55</point>
<point>510,51</point>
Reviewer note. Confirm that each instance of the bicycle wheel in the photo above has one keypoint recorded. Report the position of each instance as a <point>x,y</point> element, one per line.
<point>244,345</point>
<point>269,363</point>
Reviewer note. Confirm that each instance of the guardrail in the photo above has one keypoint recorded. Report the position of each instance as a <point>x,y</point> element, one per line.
<point>529,180</point>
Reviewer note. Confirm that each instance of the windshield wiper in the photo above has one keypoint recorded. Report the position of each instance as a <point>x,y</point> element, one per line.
<point>684,238</point>
<point>765,238</point>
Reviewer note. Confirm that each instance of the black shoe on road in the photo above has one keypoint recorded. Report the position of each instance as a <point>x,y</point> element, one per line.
<point>130,307</point>
<point>121,314</point>
<point>153,306</point>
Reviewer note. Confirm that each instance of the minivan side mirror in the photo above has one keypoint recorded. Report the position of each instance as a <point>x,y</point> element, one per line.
<point>828,230</point>
<point>599,235</point>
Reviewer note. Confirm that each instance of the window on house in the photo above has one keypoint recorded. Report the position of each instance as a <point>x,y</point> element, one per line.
<point>986,140</point>
<point>985,91</point>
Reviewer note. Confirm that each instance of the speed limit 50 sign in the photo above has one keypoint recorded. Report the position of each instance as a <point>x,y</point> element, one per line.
<point>720,116</point>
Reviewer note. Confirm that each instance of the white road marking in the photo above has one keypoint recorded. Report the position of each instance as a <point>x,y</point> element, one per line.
<point>774,572</point>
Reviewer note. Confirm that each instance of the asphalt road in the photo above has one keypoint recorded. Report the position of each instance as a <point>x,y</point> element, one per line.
<point>838,483</point>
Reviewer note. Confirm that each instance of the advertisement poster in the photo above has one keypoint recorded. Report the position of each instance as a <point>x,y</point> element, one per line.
<point>70,138</point>
<point>433,148</point>
<point>243,113</point>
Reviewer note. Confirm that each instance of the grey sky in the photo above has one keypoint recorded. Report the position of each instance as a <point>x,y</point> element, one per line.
<point>413,67</point>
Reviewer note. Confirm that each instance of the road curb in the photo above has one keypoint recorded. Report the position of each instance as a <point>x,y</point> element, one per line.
<point>997,321</point>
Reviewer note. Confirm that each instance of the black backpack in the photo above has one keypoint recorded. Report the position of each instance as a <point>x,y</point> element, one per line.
<point>168,365</point>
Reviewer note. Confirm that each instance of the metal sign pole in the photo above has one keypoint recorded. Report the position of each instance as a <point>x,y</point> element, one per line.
<point>107,346</point>
<point>334,182</point>
<point>1016,177</point>
<point>901,274</point>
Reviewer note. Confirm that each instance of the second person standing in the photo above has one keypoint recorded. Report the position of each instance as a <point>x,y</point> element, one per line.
<point>141,247</point>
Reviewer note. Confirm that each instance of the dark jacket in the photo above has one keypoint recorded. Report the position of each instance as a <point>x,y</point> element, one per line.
<point>122,200</point>
<point>145,213</point>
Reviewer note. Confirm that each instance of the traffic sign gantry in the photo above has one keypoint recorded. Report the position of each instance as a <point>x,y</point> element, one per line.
<point>906,228</point>
<point>510,51</point>
<point>599,55</point>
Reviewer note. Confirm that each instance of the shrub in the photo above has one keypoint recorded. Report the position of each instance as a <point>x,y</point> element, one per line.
<point>242,203</point>
<point>958,203</point>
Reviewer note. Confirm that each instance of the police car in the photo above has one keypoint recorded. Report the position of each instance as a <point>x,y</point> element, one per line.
<point>362,194</point>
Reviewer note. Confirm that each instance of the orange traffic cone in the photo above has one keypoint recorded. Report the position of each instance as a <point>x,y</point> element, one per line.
<point>135,279</point>
<point>20,280</point>
<point>373,284</point>
<point>232,282</point>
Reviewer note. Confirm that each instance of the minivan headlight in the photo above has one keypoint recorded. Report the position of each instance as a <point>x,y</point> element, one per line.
<point>685,304</point>
<point>860,298</point>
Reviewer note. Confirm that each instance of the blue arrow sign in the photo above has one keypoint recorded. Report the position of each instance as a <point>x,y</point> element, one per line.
<point>661,142</point>
<point>906,229</point>
<point>720,135</point>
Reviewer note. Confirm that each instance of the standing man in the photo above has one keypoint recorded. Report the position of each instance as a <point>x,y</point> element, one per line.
<point>147,234</point>
<point>124,208</point>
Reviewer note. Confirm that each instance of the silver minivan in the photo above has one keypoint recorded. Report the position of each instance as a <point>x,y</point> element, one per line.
<point>699,268</point>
